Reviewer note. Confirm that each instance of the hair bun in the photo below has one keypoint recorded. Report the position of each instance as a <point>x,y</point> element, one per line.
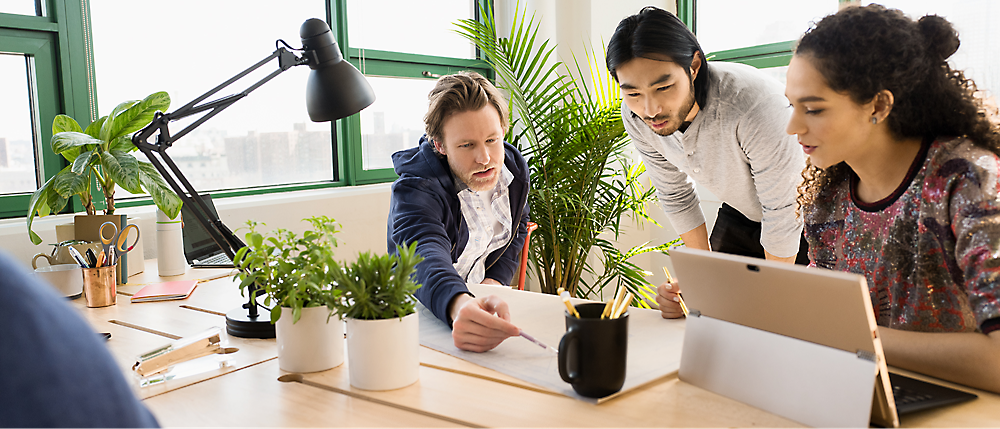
<point>940,35</point>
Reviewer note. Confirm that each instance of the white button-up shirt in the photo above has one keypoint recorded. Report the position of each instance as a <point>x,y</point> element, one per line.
<point>487,213</point>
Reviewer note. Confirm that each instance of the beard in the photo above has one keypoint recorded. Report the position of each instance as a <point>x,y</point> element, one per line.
<point>674,120</point>
<point>478,184</point>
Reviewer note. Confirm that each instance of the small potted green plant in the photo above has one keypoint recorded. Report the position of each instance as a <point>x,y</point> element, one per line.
<point>383,342</point>
<point>294,273</point>
<point>103,154</point>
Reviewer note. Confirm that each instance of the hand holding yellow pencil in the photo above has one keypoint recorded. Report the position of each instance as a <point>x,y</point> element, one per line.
<point>680,299</point>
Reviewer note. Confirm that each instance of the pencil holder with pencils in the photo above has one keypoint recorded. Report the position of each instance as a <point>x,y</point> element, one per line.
<point>100,285</point>
<point>593,351</point>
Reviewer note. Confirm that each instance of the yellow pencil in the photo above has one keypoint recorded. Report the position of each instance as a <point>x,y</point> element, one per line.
<point>215,277</point>
<point>680,300</point>
<point>627,299</point>
<point>569,306</point>
<point>616,303</point>
<point>607,308</point>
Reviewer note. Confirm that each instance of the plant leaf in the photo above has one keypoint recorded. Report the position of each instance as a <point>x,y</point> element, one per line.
<point>39,204</point>
<point>94,129</point>
<point>66,183</point>
<point>130,116</point>
<point>123,144</point>
<point>164,197</point>
<point>82,162</point>
<point>123,169</point>
<point>65,141</point>
<point>63,123</point>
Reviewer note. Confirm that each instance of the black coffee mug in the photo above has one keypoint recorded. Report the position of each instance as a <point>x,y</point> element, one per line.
<point>593,352</point>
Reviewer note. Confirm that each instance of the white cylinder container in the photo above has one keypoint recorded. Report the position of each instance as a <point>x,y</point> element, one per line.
<point>311,344</point>
<point>383,354</point>
<point>169,245</point>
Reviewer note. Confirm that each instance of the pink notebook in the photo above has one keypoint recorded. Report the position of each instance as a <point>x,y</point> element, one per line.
<point>165,291</point>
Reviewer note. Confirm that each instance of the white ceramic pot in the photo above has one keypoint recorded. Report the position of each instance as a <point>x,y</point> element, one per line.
<point>67,279</point>
<point>383,354</point>
<point>311,344</point>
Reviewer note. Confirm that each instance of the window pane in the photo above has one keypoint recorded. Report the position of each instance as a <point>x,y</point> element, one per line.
<point>395,121</point>
<point>778,73</point>
<point>731,24</point>
<point>976,22</point>
<point>17,136</point>
<point>409,26</point>
<point>264,139</point>
<point>21,7</point>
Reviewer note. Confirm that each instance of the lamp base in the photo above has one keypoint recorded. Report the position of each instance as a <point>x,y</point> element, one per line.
<point>240,324</point>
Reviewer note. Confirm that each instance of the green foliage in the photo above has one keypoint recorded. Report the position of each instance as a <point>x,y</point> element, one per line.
<point>571,132</point>
<point>292,271</point>
<point>102,154</point>
<point>378,287</point>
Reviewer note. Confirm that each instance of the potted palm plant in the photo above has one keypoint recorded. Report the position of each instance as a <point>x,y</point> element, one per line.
<point>294,273</point>
<point>569,128</point>
<point>383,343</point>
<point>102,154</point>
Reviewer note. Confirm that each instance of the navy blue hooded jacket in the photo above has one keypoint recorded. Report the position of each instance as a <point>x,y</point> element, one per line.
<point>54,371</point>
<point>425,208</point>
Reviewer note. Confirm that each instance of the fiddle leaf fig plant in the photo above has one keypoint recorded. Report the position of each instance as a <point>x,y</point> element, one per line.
<point>102,154</point>
<point>293,271</point>
<point>377,287</point>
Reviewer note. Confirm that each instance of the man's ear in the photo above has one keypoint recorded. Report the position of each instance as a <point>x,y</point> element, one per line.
<point>438,147</point>
<point>695,65</point>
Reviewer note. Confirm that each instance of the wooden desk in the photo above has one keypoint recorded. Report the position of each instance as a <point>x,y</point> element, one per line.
<point>450,393</point>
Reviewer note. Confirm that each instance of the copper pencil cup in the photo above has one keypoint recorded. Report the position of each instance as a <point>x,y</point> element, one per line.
<point>99,286</point>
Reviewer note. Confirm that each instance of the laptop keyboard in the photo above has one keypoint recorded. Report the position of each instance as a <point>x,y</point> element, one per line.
<point>912,395</point>
<point>220,259</point>
<point>905,396</point>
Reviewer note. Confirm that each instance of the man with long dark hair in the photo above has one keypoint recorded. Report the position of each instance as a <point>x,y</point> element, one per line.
<point>721,124</point>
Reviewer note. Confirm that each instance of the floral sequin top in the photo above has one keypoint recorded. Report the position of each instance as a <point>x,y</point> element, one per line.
<point>931,250</point>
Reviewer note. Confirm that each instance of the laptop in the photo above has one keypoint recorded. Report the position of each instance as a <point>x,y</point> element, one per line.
<point>799,342</point>
<point>200,249</point>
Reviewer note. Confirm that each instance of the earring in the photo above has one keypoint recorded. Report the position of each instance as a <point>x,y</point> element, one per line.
<point>874,120</point>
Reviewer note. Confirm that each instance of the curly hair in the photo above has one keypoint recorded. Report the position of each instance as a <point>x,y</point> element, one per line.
<point>861,51</point>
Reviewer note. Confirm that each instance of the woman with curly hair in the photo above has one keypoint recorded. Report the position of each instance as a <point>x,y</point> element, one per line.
<point>902,185</point>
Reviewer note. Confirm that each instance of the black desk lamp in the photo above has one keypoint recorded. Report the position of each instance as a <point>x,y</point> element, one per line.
<point>335,90</point>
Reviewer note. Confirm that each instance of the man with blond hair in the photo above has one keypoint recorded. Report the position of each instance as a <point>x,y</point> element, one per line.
<point>462,195</point>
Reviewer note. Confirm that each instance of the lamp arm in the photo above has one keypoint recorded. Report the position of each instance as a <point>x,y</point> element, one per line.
<point>156,152</point>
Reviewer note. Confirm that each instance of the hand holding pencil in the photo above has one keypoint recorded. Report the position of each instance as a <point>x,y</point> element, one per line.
<point>669,299</point>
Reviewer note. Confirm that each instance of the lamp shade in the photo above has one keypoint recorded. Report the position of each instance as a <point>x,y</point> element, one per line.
<point>335,88</point>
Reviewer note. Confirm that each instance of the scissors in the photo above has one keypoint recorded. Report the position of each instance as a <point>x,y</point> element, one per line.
<point>117,244</point>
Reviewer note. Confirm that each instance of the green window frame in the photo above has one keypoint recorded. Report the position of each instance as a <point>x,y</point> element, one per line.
<point>387,64</point>
<point>65,83</point>
<point>62,80</point>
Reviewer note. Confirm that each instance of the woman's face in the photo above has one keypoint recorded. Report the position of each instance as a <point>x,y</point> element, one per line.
<point>830,126</point>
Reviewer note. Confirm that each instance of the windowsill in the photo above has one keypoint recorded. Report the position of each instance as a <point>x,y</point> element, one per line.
<point>17,225</point>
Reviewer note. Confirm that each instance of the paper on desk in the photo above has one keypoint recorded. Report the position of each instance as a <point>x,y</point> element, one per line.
<point>654,347</point>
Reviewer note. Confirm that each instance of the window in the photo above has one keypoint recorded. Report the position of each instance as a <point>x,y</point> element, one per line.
<point>402,70</point>
<point>761,34</point>
<point>23,7</point>
<point>17,129</point>
<point>38,80</point>
<point>92,55</point>
<point>976,22</point>
<point>265,139</point>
